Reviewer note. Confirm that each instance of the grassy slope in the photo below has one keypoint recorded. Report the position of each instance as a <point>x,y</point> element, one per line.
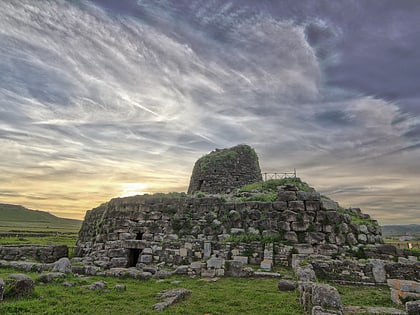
<point>18,218</point>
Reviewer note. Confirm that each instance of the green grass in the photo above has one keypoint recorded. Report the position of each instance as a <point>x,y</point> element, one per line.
<point>356,219</point>
<point>20,219</point>
<point>271,185</point>
<point>59,239</point>
<point>225,296</point>
<point>365,296</point>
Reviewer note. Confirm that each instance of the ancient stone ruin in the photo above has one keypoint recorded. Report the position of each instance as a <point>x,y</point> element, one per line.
<point>257,227</point>
<point>222,170</point>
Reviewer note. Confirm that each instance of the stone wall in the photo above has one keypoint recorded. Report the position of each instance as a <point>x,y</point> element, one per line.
<point>372,271</point>
<point>222,170</point>
<point>46,254</point>
<point>183,229</point>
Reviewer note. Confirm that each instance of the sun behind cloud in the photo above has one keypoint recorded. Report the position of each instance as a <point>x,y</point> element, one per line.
<point>133,189</point>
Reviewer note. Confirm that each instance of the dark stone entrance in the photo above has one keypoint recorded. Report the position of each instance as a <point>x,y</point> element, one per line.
<point>133,256</point>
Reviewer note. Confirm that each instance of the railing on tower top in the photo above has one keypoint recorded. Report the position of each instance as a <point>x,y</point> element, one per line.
<point>278,175</point>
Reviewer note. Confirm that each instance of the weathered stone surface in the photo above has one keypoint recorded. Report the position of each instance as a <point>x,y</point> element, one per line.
<point>177,230</point>
<point>215,262</point>
<point>265,274</point>
<point>378,270</point>
<point>51,276</point>
<point>19,285</point>
<point>286,285</point>
<point>170,297</point>
<point>266,264</point>
<point>62,265</point>
<point>412,307</point>
<point>308,195</point>
<point>404,290</point>
<point>306,273</point>
<point>304,248</point>
<point>120,287</point>
<point>328,204</point>
<point>222,170</point>
<point>99,285</point>
<point>327,297</point>
<point>284,195</point>
<point>40,253</point>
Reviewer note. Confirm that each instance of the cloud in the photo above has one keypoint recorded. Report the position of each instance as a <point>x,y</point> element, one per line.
<point>98,95</point>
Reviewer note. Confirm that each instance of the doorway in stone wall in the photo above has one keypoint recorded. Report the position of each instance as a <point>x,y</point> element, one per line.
<point>133,256</point>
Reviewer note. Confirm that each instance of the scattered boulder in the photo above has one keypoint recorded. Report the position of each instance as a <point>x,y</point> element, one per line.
<point>412,307</point>
<point>19,285</point>
<point>68,284</point>
<point>170,297</point>
<point>327,297</point>
<point>306,273</point>
<point>286,285</point>
<point>120,287</point>
<point>404,290</point>
<point>51,276</point>
<point>62,265</point>
<point>320,299</point>
<point>97,285</point>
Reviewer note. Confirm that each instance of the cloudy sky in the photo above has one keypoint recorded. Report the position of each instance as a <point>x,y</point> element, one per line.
<point>110,98</point>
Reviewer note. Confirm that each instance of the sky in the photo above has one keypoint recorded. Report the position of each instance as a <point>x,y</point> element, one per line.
<point>108,98</point>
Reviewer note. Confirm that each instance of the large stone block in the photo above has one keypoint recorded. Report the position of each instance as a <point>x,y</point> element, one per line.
<point>316,238</point>
<point>62,265</point>
<point>378,270</point>
<point>280,205</point>
<point>304,249</point>
<point>404,290</point>
<point>300,226</point>
<point>308,195</point>
<point>215,262</point>
<point>291,236</point>
<point>297,205</point>
<point>312,205</point>
<point>290,216</point>
<point>284,195</point>
<point>286,285</point>
<point>19,285</point>
<point>328,204</point>
<point>327,297</point>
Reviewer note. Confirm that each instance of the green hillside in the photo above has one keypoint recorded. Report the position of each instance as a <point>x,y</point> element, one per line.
<point>18,218</point>
<point>400,230</point>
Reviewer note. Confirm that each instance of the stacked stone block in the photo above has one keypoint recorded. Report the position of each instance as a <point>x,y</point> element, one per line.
<point>180,230</point>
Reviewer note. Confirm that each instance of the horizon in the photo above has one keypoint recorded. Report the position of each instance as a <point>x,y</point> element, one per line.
<point>101,99</point>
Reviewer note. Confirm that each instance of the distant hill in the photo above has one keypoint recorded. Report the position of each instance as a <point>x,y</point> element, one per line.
<point>401,230</point>
<point>18,218</point>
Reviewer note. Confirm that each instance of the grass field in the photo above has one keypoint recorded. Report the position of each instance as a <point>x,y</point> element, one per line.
<point>18,219</point>
<point>224,296</point>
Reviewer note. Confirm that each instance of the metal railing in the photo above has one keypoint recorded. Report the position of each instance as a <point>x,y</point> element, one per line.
<point>278,175</point>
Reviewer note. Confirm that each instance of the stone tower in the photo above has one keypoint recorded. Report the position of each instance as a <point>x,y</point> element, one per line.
<point>222,170</point>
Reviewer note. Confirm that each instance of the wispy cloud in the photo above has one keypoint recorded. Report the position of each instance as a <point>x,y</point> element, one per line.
<point>95,96</point>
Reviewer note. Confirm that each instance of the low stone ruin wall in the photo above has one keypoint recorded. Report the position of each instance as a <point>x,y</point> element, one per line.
<point>152,229</point>
<point>46,254</point>
<point>370,272</point>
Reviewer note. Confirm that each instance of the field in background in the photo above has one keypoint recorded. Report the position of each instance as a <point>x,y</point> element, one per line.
<point>20,220</point>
